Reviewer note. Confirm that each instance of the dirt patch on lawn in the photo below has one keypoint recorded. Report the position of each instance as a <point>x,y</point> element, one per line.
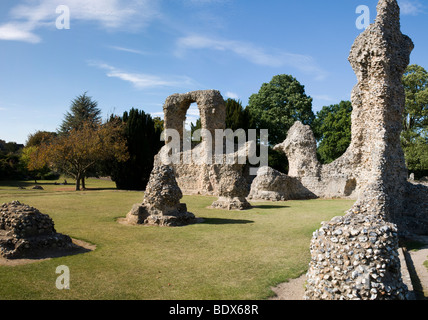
<point>79,247</point>
<point>293,289</point>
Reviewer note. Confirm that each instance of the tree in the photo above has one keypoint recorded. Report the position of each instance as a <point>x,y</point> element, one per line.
<point>24,161</point>
<point>414,138</point>
<point>9,160</point>
<point>237,117</point>
<point>39,137</point>
<point>142,136</point>
<point>31,146</point>
<point>81,149</point>
<point>332,129</point>
<point>82,110</point>
<point>279,104</point>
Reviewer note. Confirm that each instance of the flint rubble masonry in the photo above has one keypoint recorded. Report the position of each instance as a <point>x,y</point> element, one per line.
<point>356,256</point>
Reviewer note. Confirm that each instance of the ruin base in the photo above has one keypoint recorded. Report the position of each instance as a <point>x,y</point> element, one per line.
<point>142,214</point>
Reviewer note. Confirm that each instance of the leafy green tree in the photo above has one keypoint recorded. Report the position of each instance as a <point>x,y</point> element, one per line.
<point>81,149</point>
<point>82,110</point>
<point>279,104</point>
<point>142,136</point>
<point>414,138</point>
<point>34,141</point>
<point>332,129</point>
<point>9,160</point>
<point>24,161</point>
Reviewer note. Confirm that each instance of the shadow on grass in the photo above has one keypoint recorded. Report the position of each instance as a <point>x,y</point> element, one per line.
<point>99,189</point>
<point>270,206</point>
<point>28,183</point>
<point>58,186</point>
<point>77,247</point>
<point>220,221</point>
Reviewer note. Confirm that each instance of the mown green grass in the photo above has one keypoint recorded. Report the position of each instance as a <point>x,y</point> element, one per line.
<point>231,255</point>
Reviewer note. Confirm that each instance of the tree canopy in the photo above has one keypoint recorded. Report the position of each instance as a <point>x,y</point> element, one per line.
<point>81,149</point>
<point>332,129</point>
<point>237,117</point>
<point>414,137</point>
<point>142,136</point>
<point>279,104</point>
<point>82,110</point>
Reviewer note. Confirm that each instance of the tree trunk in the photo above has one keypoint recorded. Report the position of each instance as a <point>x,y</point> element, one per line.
<point>83,183</point>
<point>78,182</point>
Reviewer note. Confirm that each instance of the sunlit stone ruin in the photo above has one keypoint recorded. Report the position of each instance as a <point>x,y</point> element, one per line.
<point>25,232</point>
<point>354,256</point>
<point>161,205</point>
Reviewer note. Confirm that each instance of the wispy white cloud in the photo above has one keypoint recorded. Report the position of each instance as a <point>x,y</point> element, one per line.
<point>252,53</point>
<point>232,95</point>
<point>129,50</point>
<point>144,81</point>
<point>323,97</point>
<point>16,31</point>
<point>31,15</point>
<point>411,7</point>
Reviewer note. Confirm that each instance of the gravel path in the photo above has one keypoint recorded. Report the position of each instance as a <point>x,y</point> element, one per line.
<point>418,258</point>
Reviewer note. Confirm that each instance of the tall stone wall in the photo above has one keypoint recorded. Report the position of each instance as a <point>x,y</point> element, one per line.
<point>374,159</point>
<point>355,257</point>
<point>379,57</point>
<point>211,107</point>
<point>199,170</point>
<point>195,178</point>
<point>203,169</point>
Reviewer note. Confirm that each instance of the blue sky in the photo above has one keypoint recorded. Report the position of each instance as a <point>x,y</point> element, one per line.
<point>135,53</point>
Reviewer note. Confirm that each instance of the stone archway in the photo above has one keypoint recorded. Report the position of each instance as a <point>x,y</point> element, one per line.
<point>211,105</point>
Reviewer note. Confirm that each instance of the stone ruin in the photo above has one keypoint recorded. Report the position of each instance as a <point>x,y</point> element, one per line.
<point>161,205</point>
<point>203,175</point>
<point>25,232</point>
<point>378,57</point>
<point>272,185</point>
<point>232,189</point>
<point>356,256</point>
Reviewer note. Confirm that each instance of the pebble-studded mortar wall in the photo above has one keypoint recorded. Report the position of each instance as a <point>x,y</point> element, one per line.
<point>25,231</point>
<point>355,257</point>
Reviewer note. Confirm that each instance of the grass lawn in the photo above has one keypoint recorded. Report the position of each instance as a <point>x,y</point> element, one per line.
<point>232,255</point>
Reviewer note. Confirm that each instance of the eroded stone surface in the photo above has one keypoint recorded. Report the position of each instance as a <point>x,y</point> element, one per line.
<point>26,232</point>
<point>272,185</point>
<point>232,189</point>
<point>199,171</point>
<point>211,106</point>
<point>379,57</point>
<point>161,205</point>
<point>355,257</point>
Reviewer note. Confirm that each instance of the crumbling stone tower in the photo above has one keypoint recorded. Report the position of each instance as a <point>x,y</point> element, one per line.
<point>355,256</point>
